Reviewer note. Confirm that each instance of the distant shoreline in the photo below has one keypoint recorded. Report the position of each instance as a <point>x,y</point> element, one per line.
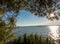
<point>38,26</point>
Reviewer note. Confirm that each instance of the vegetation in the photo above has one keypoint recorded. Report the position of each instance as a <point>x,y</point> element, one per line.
<point>6,29</point>
<point>32,39</point>
<point>39,7</point>
<point>7,22</point>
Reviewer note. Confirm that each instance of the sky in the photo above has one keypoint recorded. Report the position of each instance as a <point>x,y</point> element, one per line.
<point>26,18</point>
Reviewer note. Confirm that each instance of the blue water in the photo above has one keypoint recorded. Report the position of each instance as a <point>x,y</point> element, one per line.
<point>40,30</point>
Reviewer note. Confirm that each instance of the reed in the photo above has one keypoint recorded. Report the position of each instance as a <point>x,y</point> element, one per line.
<point>32,39</point>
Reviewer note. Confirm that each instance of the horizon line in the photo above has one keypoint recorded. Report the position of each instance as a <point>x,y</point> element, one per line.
<point>37,25</point>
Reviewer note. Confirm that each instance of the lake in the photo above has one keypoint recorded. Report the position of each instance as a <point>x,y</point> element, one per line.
<point>52,31</point>
<point>40,30</point>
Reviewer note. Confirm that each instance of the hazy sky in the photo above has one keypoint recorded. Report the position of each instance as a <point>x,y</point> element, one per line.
<point>25,18</point>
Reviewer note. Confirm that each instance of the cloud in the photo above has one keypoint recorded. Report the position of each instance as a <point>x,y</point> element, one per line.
<point>53,23</point>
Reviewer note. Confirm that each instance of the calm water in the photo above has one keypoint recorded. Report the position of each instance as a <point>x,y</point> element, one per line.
<point>40,30</point>
<point>51,31</point>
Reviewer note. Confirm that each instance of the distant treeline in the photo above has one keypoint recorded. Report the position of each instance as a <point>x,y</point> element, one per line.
<point>32,39</point>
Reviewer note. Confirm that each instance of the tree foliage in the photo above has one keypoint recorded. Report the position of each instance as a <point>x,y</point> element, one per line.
<point>14,5</point>
<point>44,8</point>
<point>39,7</point>
<point>6,29</point>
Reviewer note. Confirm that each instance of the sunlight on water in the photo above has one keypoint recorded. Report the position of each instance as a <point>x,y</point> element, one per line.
<point>54,33</point>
